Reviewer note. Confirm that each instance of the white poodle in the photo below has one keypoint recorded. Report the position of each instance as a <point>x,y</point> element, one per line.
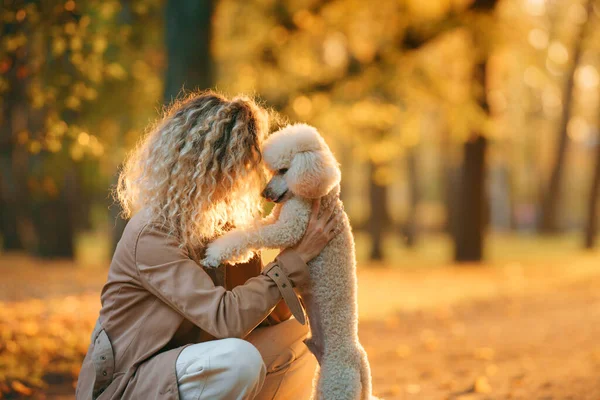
<point>304,169</point>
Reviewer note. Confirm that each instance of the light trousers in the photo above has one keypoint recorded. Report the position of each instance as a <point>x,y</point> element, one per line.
<point>271,363</point>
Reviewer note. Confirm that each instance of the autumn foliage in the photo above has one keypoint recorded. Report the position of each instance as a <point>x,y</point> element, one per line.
<point>43,342</point>
<point>460,126</point>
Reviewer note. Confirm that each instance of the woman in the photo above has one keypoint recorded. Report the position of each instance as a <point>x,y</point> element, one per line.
<point>170,329</point>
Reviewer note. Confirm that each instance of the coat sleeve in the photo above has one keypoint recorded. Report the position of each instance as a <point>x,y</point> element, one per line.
<point>169,273</point>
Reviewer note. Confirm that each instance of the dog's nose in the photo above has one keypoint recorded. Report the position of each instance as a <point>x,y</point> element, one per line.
<point>265,193</point>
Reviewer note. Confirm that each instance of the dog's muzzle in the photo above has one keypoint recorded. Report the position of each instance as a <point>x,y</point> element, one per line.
<point>267,194</point>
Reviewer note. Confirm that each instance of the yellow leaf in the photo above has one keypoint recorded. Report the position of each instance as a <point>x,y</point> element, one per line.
<point>76,153</point>
<point>91,94</point>
<point>484,353</point>
<point>76,43</point>
<point>413,388</point>
<point>491,370</point>
<point>482,385</point>
<point>31,328</point>
<point>403,351</point>
<point>116,71</point>
<point>83,138</point>
<point>99,45</point>
<point>72,102</point>
<point>53,145</point>
<point>35,147</point>
<point>70,28</point>
<point>20,388</point>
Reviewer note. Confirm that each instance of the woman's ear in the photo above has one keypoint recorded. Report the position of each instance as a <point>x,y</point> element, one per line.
<point>312,174</point>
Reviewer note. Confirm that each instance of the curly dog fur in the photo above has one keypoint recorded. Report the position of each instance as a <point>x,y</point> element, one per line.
<point>304,168</point>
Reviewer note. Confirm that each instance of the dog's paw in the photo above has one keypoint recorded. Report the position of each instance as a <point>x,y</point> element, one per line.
<point>210,262</point>
<point>213,256</point>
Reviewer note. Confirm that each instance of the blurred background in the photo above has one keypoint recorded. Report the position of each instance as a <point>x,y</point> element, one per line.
<point>468,137</point>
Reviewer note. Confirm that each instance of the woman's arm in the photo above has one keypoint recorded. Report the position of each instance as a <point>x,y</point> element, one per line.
<point>167,271</point>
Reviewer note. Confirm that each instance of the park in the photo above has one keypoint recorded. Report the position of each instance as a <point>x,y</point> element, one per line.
<point>468,138</point>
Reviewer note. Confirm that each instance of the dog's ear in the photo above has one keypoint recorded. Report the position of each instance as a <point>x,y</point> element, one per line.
<point>312,174</point>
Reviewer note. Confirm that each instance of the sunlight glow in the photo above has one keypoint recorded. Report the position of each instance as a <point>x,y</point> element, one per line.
<point>533,76</point>
<point>551,101</point>
<point>538,38</point>
<point>558,53</point>
<point>334,50</point>
<point>53,145</point>
<point>302,105</point>
<point>83,138</point>
<point>587,77</point>
<point>536,8</point>
<point>553,68</point>
<point>577,13</point>
<point>76,152</point>
<point>578,129</point>
<point>497,100</point>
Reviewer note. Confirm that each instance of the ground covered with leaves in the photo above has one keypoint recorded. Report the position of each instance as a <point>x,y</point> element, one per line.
<point>499,331</point>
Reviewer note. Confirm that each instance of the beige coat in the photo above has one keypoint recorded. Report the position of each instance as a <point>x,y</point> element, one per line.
<point>156,299</point>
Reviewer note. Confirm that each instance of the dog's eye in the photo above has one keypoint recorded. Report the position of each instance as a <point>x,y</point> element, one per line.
<point>282,171</point>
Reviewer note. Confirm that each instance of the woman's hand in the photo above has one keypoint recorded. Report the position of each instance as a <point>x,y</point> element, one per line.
<point>319,232</point>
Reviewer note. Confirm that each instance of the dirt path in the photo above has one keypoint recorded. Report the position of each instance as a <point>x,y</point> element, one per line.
<point>497,332</point>
<point>543,346</point>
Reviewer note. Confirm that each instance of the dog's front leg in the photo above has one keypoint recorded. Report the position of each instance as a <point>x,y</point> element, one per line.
<point>284,227</point>
<point>232,247</point>
<point>286,230</point>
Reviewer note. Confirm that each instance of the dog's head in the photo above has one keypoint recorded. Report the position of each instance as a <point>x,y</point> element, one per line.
<point>301,162</point>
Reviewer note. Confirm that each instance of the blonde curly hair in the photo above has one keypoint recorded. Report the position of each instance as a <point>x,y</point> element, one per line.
<point>198,171</point>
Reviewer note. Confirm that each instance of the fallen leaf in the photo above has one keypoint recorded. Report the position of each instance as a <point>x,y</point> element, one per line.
<point>458,329</point>
<point>391,391</point>
<point>482,385</point>
<point>491,370</point>
<point>485,353</point>
<point>20,388</point>
<point>413,388</point>
<point>431,344</point>
<point>403,351</point>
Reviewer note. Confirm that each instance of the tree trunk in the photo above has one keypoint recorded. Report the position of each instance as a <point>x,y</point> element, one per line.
<point>591,225</point>
<point>54,212</point>
<point>53,219</point>
<point>10,120</point>
<point>410,226</point>
<point>44,223</point>
<point>450,177</point>
<point>472,206</point>
<point>9,192</point>
<point>8,208</point>
<point>452,180</point>
<point>379,218</point>
<point>188,38</point>
<point>54,227</point>
<point>551,198</point>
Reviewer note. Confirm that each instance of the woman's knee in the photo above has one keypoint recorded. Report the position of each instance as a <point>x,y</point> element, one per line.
<point>244,361</point>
